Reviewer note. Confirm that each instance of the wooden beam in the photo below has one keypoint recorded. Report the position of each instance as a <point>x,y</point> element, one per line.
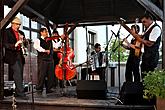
<point>38,17</point>
<point>152,8</point>
<point>72,28</point>
<point>1,53</point>
<point>16,8</point>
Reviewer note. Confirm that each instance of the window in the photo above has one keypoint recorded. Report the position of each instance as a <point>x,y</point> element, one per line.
<point>34,25</point>
<point>91,39</point>
<point>25,21</point>
<point>30,28</point>
<point>27,34</point>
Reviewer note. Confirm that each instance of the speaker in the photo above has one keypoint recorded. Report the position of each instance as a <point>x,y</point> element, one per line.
<point>91,89</point>
<point>131,93</point>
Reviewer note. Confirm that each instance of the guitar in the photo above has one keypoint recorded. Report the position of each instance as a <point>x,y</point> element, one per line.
<point>136,36</point>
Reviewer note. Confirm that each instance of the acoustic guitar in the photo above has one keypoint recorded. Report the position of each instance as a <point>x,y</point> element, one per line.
<point>136,36</point>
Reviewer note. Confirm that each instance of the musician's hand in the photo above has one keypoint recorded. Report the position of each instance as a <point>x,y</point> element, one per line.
<point>18,42</point>
<point>125,43</point>
<point>47,51</point>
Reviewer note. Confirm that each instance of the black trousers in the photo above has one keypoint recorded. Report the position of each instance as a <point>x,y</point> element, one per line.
<point>17,69</point>
<point>101,72</point>
<point>132,69</point>
<point>149,63</point>
<point>45,74</point>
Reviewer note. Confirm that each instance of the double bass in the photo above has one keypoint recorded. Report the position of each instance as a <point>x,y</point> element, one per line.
<point>65,70</point>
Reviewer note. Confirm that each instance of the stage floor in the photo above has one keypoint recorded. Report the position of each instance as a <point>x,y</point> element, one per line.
<point>68,95</point>
<point>66,98</point>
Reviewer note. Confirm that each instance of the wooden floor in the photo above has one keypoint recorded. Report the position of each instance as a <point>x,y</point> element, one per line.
<point>66,99</point>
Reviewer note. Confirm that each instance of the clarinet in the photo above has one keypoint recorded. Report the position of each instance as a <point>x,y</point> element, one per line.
<point>14,99</point>
<point>23,48</point>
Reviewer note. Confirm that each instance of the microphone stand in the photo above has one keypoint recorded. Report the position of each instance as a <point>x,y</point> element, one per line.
<point>120,44</point>
<point>31,76</point>
<point>119,55</point>
<point>113,46</point>
<point>106,50</point>
<point>13,98</point>
<point>114,49</point>
<point>87,51</point>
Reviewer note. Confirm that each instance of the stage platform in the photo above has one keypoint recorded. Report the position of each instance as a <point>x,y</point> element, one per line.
<point>66,99</point>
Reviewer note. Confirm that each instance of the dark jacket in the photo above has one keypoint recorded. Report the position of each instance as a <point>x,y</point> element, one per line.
<point>11,53</point>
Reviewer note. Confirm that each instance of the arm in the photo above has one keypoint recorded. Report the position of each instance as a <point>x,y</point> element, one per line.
<point>38,47</point>
<point>155,33</point>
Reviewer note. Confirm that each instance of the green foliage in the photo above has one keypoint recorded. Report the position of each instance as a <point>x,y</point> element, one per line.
<point>114,55</point>
<point>154,83</point>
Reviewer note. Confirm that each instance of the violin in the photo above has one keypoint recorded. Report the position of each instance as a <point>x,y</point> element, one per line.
<point>52,38</point>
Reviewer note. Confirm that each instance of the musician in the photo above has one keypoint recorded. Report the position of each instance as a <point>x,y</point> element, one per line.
<point>58,43</point>
<point>151,43</point>
<point>132,65</point>
<point>65,69</point>
<point>97,56</point>
<point>14,54</point>
<point>45,62</point>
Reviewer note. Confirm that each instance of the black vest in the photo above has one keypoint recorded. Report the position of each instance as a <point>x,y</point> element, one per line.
<point>47,46</point>
<point>151,53</point>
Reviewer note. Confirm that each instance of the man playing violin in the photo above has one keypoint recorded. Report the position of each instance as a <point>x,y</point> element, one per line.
<point>45,61</point>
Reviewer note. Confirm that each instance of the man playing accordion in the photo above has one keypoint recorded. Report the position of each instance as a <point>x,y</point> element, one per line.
<point>98,62</point>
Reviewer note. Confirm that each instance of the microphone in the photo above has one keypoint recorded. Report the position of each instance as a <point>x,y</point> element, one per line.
<point>122,19</point>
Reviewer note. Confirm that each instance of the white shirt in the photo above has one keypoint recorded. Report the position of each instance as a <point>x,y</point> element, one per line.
<point>154,34</point>
<point>38,47</point>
